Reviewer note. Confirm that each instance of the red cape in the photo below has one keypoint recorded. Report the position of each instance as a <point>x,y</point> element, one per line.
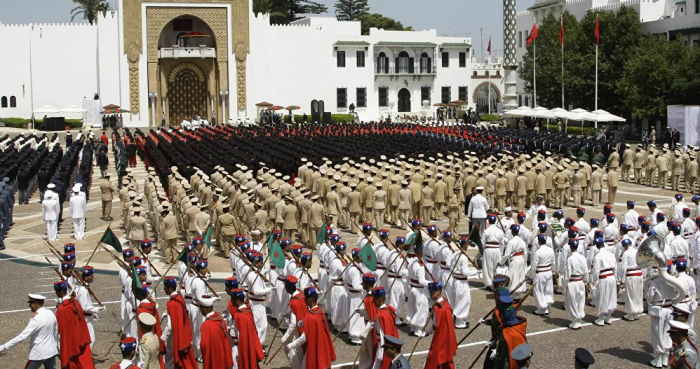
<point>444,345</point>
<point>320,352</point>
<point>250,351</point>
<point>182,333</point>
<point>215,343</point>
<point>387,319</point>
<point>75,340</point>
<point>299,308</point>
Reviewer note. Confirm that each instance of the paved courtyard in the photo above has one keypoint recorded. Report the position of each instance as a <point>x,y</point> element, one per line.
<point>24,269</point>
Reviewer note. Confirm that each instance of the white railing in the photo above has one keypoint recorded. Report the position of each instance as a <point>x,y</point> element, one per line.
<point>187,52</point>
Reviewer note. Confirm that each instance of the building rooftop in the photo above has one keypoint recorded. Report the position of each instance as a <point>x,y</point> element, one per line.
<point>456,44</point>
<point>405,43</point>
<point>544,4</point>
<point>351,43</point>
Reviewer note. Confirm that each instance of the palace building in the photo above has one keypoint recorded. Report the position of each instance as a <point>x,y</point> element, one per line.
<point>177,60</point>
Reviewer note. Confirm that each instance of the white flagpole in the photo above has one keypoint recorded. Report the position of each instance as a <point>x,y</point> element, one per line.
<point>562,67</point>
<point>489,77</point>
<point>534,71</point>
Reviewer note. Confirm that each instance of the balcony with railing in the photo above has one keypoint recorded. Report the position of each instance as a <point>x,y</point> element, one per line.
<point>187,52</point>
<point>405,70</point>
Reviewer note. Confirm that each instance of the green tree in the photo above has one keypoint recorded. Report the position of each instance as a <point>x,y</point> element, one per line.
<point>90,9</point>
<point>295,9</point>
<point>348,10</point>
<point>379,21</point>
<point>268,7</point>
<point>646,86</point>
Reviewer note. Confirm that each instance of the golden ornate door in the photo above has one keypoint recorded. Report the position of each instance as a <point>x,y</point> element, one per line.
<point>187,93</point>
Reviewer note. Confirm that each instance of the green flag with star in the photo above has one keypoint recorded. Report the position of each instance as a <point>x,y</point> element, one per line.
<point>368,257</point>
<point>277,255</point>
<point>207,237</point>
<point>321,236</point>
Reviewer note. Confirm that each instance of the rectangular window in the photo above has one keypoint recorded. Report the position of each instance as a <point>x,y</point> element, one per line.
<point>360,59</point>
<point>425,94</point>
<point>462,59</point>
<point>341,59</point>
<point>342,97</point>
<point>520,38</point>
<point>361,97</point>
<point>383,96</point>
<point>445,59</point>
<point>697,6</point>
<point>463,93</point>
<point>446,92</point>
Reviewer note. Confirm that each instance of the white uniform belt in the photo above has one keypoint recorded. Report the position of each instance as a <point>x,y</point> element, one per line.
<point>634,272</point>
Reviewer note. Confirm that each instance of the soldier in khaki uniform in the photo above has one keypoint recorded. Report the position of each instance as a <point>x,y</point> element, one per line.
<point>549,184</point>
<point>354,207</point>
<point>561,181</point>
<point>521,188</point>
<point>531,178</point>
<point>136,228</point>
<point>315,220</point>
<point>691,174</point>
<point>393,195</point>
<point>511,177</point>
<point>427,202</point>
<point>540,184</point>
<point>344,221</point>
<point>612,185</point>
<point>333,201</point>
<point>650,168</point>
<point>405,204</point>
<point>453,211</point>
<point>416,194</point>
<point>490,187</point>
<point>577,180</point>
<point>168,234</point>
<point>441,195</point>
<point>227,229</point>
<point>676,173</point>
<point>289,216</point>
<point>379,202</point>
<point>107,189</point>
<point>662,168</point>
<point>639,159</point>
<point>501,191</point>
<point>627,162</point>
<point>596,184</point>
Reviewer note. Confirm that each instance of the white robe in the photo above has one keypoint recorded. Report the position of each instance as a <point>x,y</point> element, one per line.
<point>576,268</point>
<point>516,249</point>
<point>396,290</point>
<point>605,295</point>
<point>417,308</point>
<point>337,292</point>
<point>629,273</point>
<point>492,241</point>
<point>458,286</point>
<point>659,293</point>
<point>351,301</point>
<point>542,263</point>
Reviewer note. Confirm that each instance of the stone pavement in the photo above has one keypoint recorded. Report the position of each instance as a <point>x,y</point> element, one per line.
<point>23,269</point>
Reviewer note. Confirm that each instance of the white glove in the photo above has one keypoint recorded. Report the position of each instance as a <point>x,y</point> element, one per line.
<point>482,321</point>
<point>101,309</point>
<point>493,354</point>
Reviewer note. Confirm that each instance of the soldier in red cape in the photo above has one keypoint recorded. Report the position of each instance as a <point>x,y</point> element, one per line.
<point>247,350</point>
<point>444,345</point>
<point>215,344</point>
<point>128,347</point>
<point>178,330</point>
<point>384,324</point>
<point>297,313</point>
<point>73,332</point>
<point>320,352</point>
<point>369,312</point>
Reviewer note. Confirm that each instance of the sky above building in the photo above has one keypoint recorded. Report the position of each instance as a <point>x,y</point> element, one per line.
<point>478,19</point>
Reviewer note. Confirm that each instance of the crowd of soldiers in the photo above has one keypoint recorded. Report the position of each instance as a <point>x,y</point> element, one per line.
<point>251,188</point>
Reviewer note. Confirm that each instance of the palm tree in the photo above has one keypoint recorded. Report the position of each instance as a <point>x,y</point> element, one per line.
<point>90,9</point>
<point>268,7</point>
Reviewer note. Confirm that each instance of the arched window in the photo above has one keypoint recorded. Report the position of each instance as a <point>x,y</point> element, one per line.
<point>382,63</point>
<point>425,63</point>
<point>13,102</point>
<point>3,102</point>
<point>402,62</point>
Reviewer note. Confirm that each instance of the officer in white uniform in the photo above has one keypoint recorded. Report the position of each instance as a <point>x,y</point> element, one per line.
<point>78,207</point>
<point>43,330</point>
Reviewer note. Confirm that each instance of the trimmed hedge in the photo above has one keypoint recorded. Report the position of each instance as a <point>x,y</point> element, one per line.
<point>489,117</point>
<point>572,130</point>
<point>24,123</point>
<point>335,118</point>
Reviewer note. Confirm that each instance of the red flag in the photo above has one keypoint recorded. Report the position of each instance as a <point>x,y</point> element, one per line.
<point>597,31</point>
<point>533,34</point>
<point>489,49</point>
<point>561,32</point>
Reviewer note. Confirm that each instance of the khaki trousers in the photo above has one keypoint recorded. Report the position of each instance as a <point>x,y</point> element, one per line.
<point>662,179</point>
<point>649,174</point>
<point>393,214</point>
<point>425,215</point>
<point>521,203</point>
<point>304,233</point>
<point>560,194</point>
<point>367,215</point>
<point>638,175</point>
<point>626,172</point>
<point>612,192</point>
<point>454,223</point>
<point>415,210</point>
<point>354,220</point>
<point>675,182</point>
<point>439,210</point>
<point>379,218</point>
<point>500,202</point>
<point>288,233</point>
<point>403,217</point>
<point>106,208</point>
<point>690,184</point>
<point>596,197</point>
<point>577,197</point>
<point>168,247</point>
